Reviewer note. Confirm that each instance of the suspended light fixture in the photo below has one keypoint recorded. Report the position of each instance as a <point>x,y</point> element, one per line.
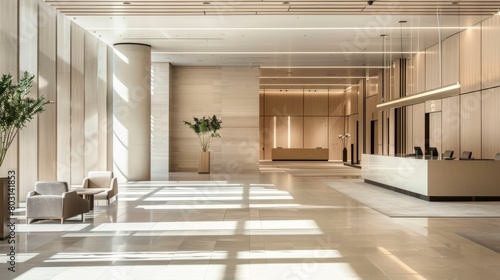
<point>421,97</point>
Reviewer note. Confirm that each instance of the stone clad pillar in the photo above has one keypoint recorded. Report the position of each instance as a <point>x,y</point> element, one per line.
<point>132,111</point>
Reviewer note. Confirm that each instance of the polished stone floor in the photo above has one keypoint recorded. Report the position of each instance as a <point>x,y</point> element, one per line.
<point>267,225</point>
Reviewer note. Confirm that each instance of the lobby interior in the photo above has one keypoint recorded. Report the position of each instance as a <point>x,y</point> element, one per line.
<point>281,75</point>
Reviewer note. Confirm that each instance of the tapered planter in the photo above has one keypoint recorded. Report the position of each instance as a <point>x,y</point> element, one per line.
<point>344,155</point>
<point>4,213</point>
<point>204,164</point>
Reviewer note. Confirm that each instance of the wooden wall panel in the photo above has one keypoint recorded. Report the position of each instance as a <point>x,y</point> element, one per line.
<point>419,125</point>
<point>352,101</point>
<point>435,129</point>
<point>409,130</point>
<point>160,91</point>
<point>490,123</point>
<point>213,89</point>
<point>374,85</point>
<point>262,141</point>
<point>490,71</point>
<point>451,124</point>
<point>296,132</point>
<point>28,61</point>
<point>63,103</point>
<point>451,60</point>
<point>109,108</point>
<point>77,104</point>
<point>315,132</point>
<point>419,74</point>
<point>352,140</point>
<point>470,59</point>
<point>315,103</point>
<point>47,129</point>
<point>335,145</point>
<point>337,104</point>
<point>268,135</point>
<point>432,68</point>
<point>285,103</point>
<point>91,123</point>
<point>102,107</point>
<point>261,102</point>
<point>470,123</point>
<point>8,58</point>
<point>392,130</point>
<point>240,113</point>
<point>282,132</point>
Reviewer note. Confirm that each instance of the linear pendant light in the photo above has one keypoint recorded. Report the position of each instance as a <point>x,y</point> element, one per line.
<point>421,97</point>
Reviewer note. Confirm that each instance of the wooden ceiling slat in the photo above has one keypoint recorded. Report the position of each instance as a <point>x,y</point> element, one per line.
<point>355,7</point>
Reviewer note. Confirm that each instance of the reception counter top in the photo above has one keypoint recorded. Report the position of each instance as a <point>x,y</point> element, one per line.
<point>433,179</point>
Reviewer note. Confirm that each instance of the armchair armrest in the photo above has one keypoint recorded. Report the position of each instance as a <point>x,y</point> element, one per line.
<point>32,193</point>
<point>113,188</point>
<point>85,183</point>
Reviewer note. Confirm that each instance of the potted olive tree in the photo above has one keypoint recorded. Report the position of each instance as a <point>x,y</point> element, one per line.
<point>206,129</point>
<point>16,110</point>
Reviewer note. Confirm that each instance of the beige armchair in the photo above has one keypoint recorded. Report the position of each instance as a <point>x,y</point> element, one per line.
<point>102,180</point>
<point>52,200</point>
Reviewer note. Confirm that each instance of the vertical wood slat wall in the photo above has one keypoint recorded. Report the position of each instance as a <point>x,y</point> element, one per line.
<point>53,146</point>
<point>28,61</point>
<point>317,117</point>
<point>47,124</point>
<point>469,121</point>
<point>8,57</point>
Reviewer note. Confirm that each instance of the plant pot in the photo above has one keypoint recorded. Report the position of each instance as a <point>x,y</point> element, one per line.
<point>4,213</point>
<point>344,155</point>
<point>204,163</point>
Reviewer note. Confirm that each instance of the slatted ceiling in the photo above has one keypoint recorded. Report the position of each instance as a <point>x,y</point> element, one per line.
<point>162,7</point>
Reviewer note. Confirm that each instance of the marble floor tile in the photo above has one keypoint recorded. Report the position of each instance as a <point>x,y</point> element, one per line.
<point>276,224</point>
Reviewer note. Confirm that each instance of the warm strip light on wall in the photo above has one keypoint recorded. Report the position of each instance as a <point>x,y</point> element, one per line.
<point>433,94</point>
<point>289,128</point>
<point>274,137</point>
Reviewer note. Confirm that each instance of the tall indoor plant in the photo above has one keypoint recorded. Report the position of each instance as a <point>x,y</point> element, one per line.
<point>16,108</point>
<point>206,129</point>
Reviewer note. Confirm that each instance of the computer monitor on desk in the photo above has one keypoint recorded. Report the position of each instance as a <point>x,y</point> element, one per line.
<point>432,151</point>
<point>466,155</point>
<point>448,154</point>
<point>418,151</point>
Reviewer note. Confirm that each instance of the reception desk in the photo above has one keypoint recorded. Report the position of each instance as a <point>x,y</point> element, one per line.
<point>434,180</point>
<point>299,154</point>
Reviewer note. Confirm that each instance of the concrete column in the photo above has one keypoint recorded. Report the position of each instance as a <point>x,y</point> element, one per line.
<point>132,111</point>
